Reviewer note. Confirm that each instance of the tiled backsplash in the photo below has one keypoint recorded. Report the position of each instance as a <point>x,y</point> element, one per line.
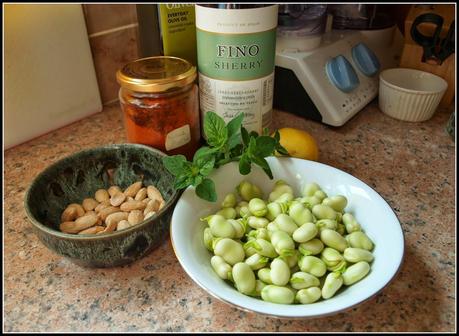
<point>113,36</point>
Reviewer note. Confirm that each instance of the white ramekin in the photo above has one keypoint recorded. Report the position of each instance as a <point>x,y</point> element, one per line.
<point>410,94</point>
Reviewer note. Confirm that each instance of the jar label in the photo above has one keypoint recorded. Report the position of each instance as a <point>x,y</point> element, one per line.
<point>178,137</point>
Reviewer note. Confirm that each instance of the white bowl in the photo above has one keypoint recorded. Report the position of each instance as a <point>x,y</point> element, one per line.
<point>410,94</point>
<point>373,213</point>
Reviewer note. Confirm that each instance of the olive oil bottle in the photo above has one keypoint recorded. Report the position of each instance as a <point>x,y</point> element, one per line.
<point>236,46</point>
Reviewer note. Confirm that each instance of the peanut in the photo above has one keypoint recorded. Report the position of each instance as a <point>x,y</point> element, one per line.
<point>149,214</point>
<point>92,230</point>
<point>102,205</point>
<point>133,189</point>
<point>80,210</point>
<point>132,205</point>
<point>152,205</point>
<point>154,193</point>
<point>101,195</point>
<point>141,194</point>
<point>68,227</point>
<point>113,190</point>
<point>110,227</point>
<point>70,213</point>
<point>85,222</point>
<point>117,199</point>
<point>135,217</point>
<point>130,198</point>
<point>107,211</point>
<point>115,217</point>
<point>124,224</point>
<point>90,204</point>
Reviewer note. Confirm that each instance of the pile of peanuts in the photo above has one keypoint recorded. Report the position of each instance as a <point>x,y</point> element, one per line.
<point>112,209</point>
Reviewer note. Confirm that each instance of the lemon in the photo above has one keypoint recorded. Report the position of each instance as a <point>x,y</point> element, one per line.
<point>299,143</point>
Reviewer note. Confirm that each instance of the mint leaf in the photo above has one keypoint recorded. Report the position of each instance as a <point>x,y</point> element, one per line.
<point>197,180</point>
<point>264,165</point>
<point>206,167</point>
<point>203,153</point>
<point>206,190</point>
<point>279,148</point>
<point>234,125</point>
<point>233,141</point>
<point>265,146</point>
<point>215,130</point>
<point>174,164</point>
<point>244,165</point>
<point>245,136</point>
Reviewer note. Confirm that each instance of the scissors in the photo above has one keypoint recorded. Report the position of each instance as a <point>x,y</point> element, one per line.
<point>436,50</point>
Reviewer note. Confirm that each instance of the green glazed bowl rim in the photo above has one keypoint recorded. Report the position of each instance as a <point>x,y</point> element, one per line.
<point>101,236</point>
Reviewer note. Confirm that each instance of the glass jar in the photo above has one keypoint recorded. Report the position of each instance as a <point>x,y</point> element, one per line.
<point>159,100</point>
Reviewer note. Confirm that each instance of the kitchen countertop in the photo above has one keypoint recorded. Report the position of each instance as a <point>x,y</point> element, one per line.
<point>411,165</point>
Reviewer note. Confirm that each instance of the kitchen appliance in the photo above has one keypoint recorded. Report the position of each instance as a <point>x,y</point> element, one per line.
<point>334,81</point>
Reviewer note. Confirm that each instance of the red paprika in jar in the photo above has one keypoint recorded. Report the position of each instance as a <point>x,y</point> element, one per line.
<point>159,100</point>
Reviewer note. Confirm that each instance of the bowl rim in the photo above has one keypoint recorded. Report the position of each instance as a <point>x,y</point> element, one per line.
<point>403,89</point>
<point>73,236</point>
<point>394,276</point>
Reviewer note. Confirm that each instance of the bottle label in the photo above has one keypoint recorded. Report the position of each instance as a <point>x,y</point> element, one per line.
<point>178,137</point>
<point>236,53</point>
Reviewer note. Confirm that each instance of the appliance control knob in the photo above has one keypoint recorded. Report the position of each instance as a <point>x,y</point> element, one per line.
<point>342,74</point>
<point>365,59</point>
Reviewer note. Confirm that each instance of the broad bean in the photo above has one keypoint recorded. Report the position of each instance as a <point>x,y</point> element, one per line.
<point>277,294</point>
<point>271,227</point>
<point>355,272</point>
<point>300,280</point>
<point>311,247</point>
<point>341,229</point>
<point>280,187</point>
<point>239,226</point>
<point>305,232</point>
<point>359,239</point>
<point>333,259</point>
<point>221,267</point>
<point>220,227</point>
<point>291,260</point>
<point>248,191</point>
<point>299,213</point>
<point>354,255</point>
<point>242,209</point>
<point>259,285</point>
<point>230,250</point>
<point>280,272</point>
<point>258,207</point>
<point>264,275</point>
<point>312,265</point>
<point>274,209</point>
<point>229,201</point>
<point>320,194</point>
<point>308,295</point>
<point>309,189</point>
<point>262,247</point>
<point>310,201</point>
<point>337,202</point>
<point>244,278</point>
<point>228,213</point>
<point>351,223</point>
<point>322,224</point>
<point>256,261</point>
<point>283,243</point>
<point>259,233</point>
<point>284,198</point>
<point>323,212</point>
<point>286,223</point>
<point>333,239</point>
<point>332,283</point>
<point>208,238</point>
<point>257,222</point>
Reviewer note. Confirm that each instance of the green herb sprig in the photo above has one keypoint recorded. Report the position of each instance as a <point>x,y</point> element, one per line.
<point>226,143</point>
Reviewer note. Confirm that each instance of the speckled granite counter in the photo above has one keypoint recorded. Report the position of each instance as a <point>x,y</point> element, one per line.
<point>410,164</point>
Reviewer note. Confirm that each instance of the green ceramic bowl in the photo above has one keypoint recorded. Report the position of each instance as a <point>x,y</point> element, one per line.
<point>77,177</point>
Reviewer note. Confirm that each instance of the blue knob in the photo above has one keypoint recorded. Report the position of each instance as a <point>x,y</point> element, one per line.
<point>365,59</point>
<point>342,74</point>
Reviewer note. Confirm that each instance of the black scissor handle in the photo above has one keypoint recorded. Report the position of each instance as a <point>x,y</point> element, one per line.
<point>427,42</point>
<point>447,45</point>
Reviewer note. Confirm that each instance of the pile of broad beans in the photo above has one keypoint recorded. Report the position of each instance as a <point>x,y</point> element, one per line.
<point>286,249</point>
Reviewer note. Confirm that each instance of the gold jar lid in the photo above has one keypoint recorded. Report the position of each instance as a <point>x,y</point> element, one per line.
<point>156,74</point>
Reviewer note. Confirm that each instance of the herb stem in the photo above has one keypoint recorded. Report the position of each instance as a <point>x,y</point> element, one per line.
<point>227,160</point>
